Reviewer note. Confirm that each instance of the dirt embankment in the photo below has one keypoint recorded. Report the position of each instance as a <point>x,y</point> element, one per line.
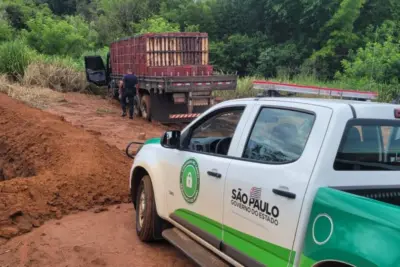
<point>60,168</point>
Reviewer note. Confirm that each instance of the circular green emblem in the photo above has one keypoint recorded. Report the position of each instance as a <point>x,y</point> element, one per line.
<point>190,181</point>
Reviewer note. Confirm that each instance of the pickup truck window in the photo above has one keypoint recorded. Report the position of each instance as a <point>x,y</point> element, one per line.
<point>214,135</point>
<point>279,136</point>
<point>369,146</point>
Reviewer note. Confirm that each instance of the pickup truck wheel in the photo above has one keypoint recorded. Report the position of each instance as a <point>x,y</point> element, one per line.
<point>145,107</point>
<point>146,214</point>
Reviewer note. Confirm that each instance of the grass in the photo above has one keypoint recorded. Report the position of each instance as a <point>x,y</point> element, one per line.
<point>15,57</point>
<point>35,96</point>
<point>25,65</point>
<point>56,76</point>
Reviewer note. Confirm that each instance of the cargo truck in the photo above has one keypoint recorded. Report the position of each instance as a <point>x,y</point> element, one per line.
<point>176,81</point>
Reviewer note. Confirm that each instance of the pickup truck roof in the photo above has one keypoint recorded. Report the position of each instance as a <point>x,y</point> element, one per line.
<point>313,101</point>
<point>361,109</point>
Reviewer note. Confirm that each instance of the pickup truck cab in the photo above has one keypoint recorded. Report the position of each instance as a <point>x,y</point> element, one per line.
<point>276,182</point>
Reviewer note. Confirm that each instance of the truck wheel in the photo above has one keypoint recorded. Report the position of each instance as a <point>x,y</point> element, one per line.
<point>145,107</point>
<point>110,92</point>
<point>147,218</point>
<point>136,108</point>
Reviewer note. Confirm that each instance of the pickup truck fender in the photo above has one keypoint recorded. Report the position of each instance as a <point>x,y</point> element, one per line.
<point>147,161</point>
<point>351,229</point>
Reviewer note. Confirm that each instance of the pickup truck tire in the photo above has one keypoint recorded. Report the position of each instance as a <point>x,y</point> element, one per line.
<point>145,107</point>
<point>147,218</point>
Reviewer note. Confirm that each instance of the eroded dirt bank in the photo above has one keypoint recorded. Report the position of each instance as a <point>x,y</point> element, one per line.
<point>49,168</point>
<point>71,161</point>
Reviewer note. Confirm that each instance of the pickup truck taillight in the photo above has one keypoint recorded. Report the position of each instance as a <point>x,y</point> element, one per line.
<point>397,113</point>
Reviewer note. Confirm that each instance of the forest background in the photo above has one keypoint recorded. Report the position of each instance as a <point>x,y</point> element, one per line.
<point>351,44</point>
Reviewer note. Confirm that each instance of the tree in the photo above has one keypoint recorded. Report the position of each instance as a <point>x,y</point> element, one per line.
<point>341,38</point>
<point>6,31</point>
<point>155,24</point>
<point>238,53</point>
<point>114,18</point>
<point>61,7</point>
<point>57,36</point>
<point>18,12</point>
<point>189,13</point>
<point>286,56</point>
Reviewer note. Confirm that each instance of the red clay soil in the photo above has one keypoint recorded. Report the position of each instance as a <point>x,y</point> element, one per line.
<point>89,239</point>
<point>102,117</point>
<point>50,168</point>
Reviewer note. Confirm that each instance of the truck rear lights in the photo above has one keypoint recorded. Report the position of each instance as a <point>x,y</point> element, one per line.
<point>397,113</point>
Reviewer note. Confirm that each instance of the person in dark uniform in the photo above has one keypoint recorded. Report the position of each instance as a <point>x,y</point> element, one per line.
<point>127,89</point>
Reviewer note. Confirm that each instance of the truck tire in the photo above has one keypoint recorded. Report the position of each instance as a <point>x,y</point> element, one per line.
<point>136,108</point>
<point>147,218</point>
<point>145,107</point>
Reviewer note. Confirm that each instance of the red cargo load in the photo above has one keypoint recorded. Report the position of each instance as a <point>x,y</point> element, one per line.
<point>164,54</point>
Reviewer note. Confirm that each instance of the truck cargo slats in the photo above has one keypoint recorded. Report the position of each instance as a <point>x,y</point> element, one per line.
<point>166,54</point>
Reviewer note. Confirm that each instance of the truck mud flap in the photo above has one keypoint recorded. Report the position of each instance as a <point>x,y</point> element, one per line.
<point>199,254</point>
<point>164,110</point>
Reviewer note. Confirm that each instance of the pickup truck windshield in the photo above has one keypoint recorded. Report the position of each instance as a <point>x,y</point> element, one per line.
<point>369,145</point>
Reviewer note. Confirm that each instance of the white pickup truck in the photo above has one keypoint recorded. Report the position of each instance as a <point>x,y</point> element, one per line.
<point>276,182</point>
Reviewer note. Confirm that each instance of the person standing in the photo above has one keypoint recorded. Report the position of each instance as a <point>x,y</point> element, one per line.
<point>127,89</point>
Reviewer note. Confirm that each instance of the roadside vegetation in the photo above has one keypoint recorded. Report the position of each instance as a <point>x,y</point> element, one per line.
<point>352,44</point>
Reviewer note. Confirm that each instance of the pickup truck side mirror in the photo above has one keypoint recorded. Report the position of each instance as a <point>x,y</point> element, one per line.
<point>171,139</point>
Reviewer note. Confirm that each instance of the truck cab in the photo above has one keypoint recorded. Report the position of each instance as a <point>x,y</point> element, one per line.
<point>276,182</point>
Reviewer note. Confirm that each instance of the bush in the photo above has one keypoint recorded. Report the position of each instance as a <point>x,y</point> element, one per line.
<point>57,75</point>
<point>155,24</point>
<point>379,62</point>
<point>6,31</point>
<point>50,36</point>
<point>15,57</point>
<point>239,53</point>
<point>244,89</point>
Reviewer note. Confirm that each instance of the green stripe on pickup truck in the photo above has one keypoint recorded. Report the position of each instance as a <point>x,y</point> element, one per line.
<point>255,248</point>
<point>153,141</point>
<point>365,232</point>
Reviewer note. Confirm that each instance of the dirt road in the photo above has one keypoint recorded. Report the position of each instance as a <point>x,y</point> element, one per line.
<point>89,239</point>
<point>50,169</point>
<point>102,117</point>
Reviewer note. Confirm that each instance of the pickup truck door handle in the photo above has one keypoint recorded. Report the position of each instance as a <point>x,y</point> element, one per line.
<point>214,174</point>
<point>282,193</point>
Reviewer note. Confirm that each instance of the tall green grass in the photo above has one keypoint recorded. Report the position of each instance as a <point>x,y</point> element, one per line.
<point>20,63</point>
<point>15,56</point>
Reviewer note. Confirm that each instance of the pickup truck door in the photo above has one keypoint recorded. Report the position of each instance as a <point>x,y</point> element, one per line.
<point>267,181</point>
<point>197,172</point>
